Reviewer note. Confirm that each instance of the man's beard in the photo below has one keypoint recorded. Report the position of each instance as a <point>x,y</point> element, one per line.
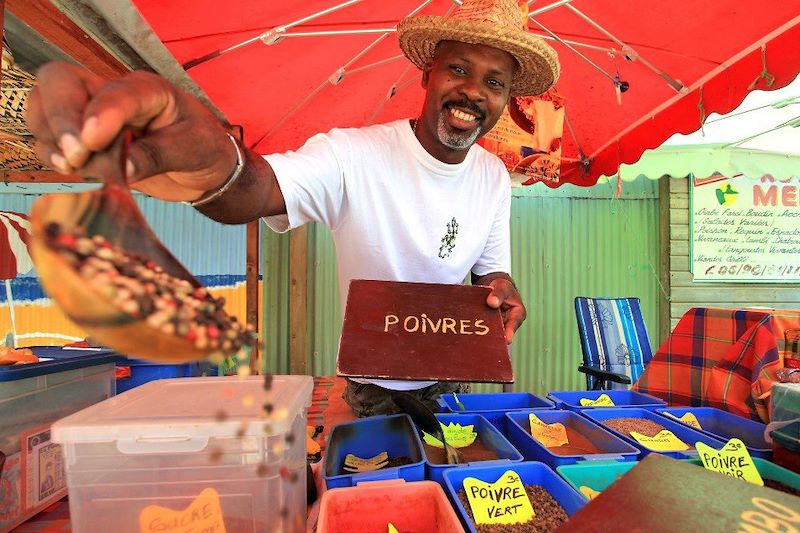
<point>453,139</point>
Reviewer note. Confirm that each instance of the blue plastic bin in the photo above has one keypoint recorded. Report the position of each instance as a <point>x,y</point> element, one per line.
<point>725,426</point>
<point>685,433</point>
<point>489,435</point>
<point>596,476</point>
<point>530,473</point>
<point>145,371</point>
<point>367,437</point>
<point>622,398</point>
<point>611,447</point>
<point>493,406</point>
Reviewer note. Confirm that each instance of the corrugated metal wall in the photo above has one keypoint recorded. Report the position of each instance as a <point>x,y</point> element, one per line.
<point>565,242</point>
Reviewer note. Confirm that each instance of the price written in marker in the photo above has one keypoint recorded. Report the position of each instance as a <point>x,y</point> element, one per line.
<point>732,460</point>
<point>203,514</point>
<point>689,419</point>
<point>549,435</point>
<point>602,401</point>
<point>456,435</point>
<point>357,464</point>
<point>502,502</point>
<point>663,441</point>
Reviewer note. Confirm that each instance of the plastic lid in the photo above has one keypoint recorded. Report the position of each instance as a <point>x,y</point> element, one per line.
<point>190,408</point>
<point>57,359</point>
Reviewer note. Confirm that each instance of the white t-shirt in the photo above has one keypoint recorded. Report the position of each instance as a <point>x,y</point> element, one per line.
<point>396,212</point>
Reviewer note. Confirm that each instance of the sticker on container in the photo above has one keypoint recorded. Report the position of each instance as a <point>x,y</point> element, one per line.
<point>663,441</point>
<point>732,460</point>
<point>203,514</point>
<point>456,435</point>
<point>43,464</point>
<point>589,492</point>
<point>548,435</point>
<point>602,401</point>
<point>11,496</point>
<point>354,463</point>
<point>689,419</point>
<point>503,502</point>
<point>392,529</point>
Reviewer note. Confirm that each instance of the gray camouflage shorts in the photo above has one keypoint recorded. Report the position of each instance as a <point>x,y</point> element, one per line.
<point>367,399</point>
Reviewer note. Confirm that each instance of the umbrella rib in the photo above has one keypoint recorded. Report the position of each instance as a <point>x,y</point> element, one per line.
<point>629,52</point>
<point>393,90</point>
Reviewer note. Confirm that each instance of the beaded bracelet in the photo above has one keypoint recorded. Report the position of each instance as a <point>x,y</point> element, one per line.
<point>237,171</point>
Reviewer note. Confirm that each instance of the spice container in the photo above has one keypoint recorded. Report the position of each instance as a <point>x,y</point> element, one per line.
<point>641,420</point>
<point>493,406</point>
<point>142,372</point>
<point>158,453</point>
<point>596,476</point>
<point>368,437</point>
<point>774,476</point>
<point>530,473</point>
<point>587,440</point>
<point>621,398</point>
<point>32,397</point>
<point>725,426</point>
<point>418,506</point>
<point>490,444</point>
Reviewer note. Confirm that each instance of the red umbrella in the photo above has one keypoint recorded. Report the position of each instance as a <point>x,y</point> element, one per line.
<point>633,71</point>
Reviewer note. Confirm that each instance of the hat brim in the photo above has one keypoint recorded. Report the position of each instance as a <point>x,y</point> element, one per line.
<point>538,62</point>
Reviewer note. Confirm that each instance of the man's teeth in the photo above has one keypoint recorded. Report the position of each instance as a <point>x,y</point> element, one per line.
<point>460,115</point>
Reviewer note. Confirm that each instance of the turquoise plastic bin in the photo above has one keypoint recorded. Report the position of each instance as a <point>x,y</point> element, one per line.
<point>597,476</point>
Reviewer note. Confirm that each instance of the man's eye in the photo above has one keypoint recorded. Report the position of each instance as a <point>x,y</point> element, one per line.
<point>457,69</point>
<point>496,83</point>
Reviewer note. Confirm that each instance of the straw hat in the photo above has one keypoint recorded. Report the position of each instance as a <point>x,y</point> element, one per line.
<point>495,23</point>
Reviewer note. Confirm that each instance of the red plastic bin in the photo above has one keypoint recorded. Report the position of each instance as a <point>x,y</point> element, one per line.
<point>369,507</point>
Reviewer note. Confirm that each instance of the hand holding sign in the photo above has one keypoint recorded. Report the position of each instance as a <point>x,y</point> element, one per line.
<point>732,460</point>
<point>503,502</point>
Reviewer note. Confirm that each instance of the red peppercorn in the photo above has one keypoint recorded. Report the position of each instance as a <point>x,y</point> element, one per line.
<point>213,332</point>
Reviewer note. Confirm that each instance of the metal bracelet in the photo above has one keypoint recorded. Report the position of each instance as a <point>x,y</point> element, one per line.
<point>237,171</point>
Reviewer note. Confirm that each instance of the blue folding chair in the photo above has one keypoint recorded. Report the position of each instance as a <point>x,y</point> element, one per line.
<point>616,348</point>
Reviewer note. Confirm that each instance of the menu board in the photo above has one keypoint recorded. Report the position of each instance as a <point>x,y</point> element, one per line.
<point>745,230</point>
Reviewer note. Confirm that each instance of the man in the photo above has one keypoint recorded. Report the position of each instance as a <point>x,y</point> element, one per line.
<point>412,200</point>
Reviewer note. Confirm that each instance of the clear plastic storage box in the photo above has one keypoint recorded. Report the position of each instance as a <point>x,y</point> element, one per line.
<point>198,453</point>
<point>33,396</point>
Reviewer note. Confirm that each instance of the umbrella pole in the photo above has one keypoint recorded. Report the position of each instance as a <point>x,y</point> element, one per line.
<point>10,299</point>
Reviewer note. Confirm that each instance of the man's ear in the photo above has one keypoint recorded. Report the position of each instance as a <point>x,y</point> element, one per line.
<point>426,73</point>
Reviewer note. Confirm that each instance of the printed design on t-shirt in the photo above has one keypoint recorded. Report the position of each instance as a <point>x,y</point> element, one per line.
<point>449,239</point>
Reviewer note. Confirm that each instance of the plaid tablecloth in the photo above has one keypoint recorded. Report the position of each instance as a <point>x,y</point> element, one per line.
<point>723,358</point>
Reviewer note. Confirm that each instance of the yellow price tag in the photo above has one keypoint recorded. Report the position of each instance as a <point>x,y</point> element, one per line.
<point>392,529</point>
<point>549,435</point>
<point>689,419</point>
<point>203,514</point>
<point>357,464</point>
<point>732,460</point>
<point>589,492</point>
<point>663,441</point>
<point>602,401</point>
<point>502,502</point>
<point>456,435</point>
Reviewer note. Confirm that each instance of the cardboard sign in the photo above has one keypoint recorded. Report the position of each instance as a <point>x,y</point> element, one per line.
<point>663,441</point>
<point>689,419</point>
<point>392,529</point>
<point>732,460</point>
<point>549,435</point>
<point>503,502</point>
<point>589,492</point>
<point>422,331</point>
<point>456,435</point>
<point>203,514</point>
<point>354,463</point>
<point>602,401</point>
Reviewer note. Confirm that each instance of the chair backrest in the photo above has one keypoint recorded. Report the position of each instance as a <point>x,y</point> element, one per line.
<point>613,336</point>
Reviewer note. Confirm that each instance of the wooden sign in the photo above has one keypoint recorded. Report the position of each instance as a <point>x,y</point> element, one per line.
<point>422,331</point>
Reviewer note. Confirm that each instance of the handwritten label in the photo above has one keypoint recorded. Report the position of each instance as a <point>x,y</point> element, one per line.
<point>353,463</point>
<point>549,435</point>
<point>602,401</point>
<point>732,460</point>
<point>456,435</point>
<point>392,529</point>
<point>502,502</point>
<point>203,514</point>
<point>663,441</point>
<point>689,419</point>
<point>424,324</point>
<point>589,492</point>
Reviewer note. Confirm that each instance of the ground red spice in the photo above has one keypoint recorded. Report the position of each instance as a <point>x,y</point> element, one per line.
<point>477,451</point>
<point>577,445</point>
